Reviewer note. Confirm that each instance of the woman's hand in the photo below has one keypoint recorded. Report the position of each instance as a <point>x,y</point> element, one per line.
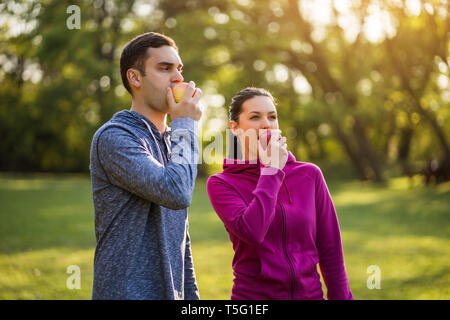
<point>274,153</point>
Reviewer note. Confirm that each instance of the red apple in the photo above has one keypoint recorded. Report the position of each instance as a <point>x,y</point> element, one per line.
<point>265,138</point>
<point>179,89</point>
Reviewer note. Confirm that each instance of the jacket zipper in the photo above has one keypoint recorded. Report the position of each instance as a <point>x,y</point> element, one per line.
<point>286,253</point>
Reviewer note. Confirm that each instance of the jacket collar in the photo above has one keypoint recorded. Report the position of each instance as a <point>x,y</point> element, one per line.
<point>248,167</point>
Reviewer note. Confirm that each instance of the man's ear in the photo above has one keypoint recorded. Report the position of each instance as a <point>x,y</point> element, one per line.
<point>134,78</point>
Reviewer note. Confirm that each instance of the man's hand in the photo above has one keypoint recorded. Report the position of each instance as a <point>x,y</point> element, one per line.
<point>189,106</point>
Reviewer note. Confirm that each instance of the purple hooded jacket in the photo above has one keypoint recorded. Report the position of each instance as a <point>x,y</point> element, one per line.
<point>281,223</point>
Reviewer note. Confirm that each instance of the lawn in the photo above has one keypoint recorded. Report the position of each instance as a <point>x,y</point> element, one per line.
<point>47,225</point>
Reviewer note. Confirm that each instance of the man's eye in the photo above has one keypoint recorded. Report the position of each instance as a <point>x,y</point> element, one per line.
<point>273,118</point>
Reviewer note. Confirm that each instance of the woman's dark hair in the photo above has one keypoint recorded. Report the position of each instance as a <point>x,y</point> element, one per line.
<point>238,100</point>
<point>135,53</point>
<point>234,151</point>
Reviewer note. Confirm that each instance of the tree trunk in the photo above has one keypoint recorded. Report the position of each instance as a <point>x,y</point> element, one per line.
<point>365,149</point>
<point>356,161</point>
<point>404,148</point>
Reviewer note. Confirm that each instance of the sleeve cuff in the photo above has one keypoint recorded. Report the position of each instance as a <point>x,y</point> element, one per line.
<point>272,171</point>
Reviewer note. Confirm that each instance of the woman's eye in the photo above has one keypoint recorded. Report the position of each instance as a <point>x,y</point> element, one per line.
<point>254,117</point>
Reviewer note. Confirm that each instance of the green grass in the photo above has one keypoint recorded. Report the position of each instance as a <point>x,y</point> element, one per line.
<point>47,224</point>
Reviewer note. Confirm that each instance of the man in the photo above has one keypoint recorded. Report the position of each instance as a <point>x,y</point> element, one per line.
<point>143,176</point>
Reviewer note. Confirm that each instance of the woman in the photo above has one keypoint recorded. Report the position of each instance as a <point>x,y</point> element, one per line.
<point>277,211</point>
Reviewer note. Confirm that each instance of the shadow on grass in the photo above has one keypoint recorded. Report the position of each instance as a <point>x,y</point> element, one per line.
<point>401,213</point>
<point>40,212</point>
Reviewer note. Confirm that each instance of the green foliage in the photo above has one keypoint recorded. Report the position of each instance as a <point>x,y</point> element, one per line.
<point>371,104</point>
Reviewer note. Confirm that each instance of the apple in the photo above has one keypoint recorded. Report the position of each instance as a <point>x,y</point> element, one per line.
<point>265,138</point>
<point>179,89</point>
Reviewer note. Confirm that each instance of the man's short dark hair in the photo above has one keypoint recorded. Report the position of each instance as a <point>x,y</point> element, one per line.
<point>135,53</point>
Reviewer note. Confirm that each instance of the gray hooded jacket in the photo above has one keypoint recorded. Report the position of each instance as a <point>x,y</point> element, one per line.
<point>142,184</point>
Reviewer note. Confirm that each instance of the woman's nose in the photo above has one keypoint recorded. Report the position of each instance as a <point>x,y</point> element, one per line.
<point>265,123</point>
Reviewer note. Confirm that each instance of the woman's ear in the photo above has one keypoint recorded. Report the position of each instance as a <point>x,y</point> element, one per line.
<point>233,127</point>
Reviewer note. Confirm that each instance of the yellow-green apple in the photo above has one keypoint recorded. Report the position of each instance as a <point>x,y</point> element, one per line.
<point>179,89</point>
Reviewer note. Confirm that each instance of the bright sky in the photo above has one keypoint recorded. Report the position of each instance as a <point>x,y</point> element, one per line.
<point>378,25</point>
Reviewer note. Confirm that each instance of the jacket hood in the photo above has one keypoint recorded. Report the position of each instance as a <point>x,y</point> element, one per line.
<point>135,119</point>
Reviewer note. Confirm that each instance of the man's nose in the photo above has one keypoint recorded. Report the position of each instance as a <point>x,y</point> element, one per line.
<point>178,77</point>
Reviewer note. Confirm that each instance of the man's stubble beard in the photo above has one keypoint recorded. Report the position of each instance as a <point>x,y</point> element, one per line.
<point>159,106</point>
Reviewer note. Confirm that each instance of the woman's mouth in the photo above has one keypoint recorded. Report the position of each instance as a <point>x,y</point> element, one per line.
<point>264,137</point>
